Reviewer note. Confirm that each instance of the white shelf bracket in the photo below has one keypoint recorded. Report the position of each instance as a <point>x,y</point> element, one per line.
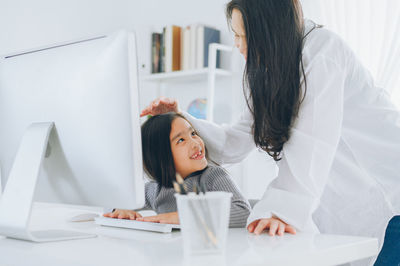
<point>212,69</point>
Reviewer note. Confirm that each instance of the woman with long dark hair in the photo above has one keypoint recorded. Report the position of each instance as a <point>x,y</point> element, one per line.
<point>315,110</point>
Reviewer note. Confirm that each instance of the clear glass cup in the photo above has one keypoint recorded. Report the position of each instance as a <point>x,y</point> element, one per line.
<point>204,220</point>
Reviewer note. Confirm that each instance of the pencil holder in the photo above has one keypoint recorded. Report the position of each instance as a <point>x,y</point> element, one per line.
<point>204,220</point>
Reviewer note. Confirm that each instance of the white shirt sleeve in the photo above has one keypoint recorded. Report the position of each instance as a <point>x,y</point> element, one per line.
<point>308,155</point>
<point>226,143</point>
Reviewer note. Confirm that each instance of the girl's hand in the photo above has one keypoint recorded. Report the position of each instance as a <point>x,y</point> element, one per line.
<point>165,218</point>
<point>161,105</point>
<point>274,224</point>
<point>123,214</point>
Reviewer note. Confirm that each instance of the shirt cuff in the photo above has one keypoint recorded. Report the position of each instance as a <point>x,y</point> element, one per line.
<point>293,209</point>
<point>254,216</point>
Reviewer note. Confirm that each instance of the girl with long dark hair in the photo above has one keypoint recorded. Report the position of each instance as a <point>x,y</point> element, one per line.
<point>171,145</point>
<point>315,110</point>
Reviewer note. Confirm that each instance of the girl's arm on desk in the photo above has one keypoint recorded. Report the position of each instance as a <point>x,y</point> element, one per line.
<point>164,218</point>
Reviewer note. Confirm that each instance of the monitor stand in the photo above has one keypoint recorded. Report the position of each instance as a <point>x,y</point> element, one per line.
<point>17,198</point>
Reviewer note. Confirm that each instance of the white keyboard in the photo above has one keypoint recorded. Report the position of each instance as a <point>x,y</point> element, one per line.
<point>133,224</point>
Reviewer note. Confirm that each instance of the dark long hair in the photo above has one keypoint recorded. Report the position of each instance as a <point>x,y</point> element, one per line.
<point>158,161</point>
<point>274,33</point>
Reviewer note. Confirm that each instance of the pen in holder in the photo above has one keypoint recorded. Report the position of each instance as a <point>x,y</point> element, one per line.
<point>204,219</point>
<point>200,216</point>
<point>204,205</point>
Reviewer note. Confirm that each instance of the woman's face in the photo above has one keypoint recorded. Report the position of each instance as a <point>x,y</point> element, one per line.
<point>187,148</point>
<point>240,33</point>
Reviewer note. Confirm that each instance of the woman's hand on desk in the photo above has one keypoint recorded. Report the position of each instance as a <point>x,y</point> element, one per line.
<point>123,214</point>
<point>275,225</point>
<point>160,105</point>
<point>164,218</point>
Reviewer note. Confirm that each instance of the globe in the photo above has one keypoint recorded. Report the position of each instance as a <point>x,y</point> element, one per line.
<point>198,108</point>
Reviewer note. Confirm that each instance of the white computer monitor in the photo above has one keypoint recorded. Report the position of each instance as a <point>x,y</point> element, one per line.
<point>82,99</point>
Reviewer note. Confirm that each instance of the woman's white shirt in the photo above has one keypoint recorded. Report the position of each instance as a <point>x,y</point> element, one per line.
<point>339,171</point>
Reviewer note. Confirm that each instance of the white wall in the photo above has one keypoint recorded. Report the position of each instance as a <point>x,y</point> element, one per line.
<point>28,24</point>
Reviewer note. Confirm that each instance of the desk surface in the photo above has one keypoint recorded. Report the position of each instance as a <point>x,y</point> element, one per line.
<point>115,246</point>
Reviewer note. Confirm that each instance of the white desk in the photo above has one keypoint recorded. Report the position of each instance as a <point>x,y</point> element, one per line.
<point>121,247</point>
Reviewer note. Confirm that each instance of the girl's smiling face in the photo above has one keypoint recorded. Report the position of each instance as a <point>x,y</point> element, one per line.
<point>187,148</point>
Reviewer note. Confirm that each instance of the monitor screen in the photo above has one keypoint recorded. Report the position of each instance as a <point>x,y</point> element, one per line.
<point>89,90</point>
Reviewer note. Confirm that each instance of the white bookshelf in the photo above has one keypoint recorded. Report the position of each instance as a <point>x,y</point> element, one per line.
<point>208,74</point>
<point>186,75</point>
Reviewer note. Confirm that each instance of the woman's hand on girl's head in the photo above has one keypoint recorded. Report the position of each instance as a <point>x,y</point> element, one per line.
<point>161,105</point>
<point>123,214</point>
<point>274,224</point>
<point>164,218</point>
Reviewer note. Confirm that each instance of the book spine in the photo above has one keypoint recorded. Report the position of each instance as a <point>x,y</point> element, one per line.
<point>162,52</point>
<point>155,53</point>
<point>210,36</point>
<point>200,47</point>
<point>185,48</point>
<point>193,42</point>
<point>168,49</point>
<point>176,48</point>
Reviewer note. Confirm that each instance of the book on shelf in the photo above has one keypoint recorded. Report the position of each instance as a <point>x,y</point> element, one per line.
<point>184,48</point>
<point>155,52</point>
<point>206,36</point>
<point>193,48</point>
<point>162,51</point>
<point>172,41</point>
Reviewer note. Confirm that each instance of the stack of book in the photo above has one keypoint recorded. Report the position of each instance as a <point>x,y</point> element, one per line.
<point>186,48</point>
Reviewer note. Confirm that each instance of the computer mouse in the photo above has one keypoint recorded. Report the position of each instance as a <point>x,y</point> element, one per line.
<point>83,217</point>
